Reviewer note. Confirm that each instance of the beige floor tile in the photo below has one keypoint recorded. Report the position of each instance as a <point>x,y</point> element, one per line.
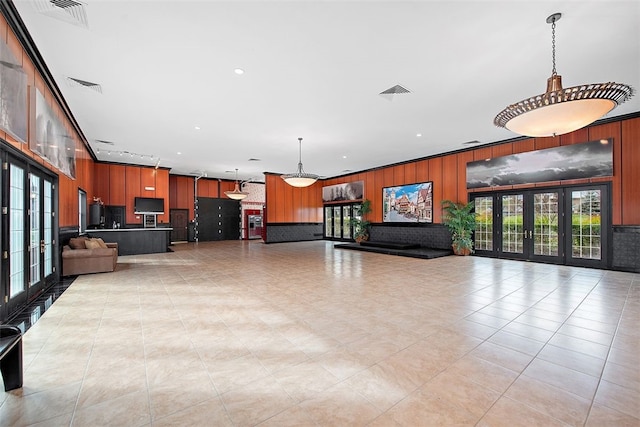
<point>207,413</point>
<point>256,402</point>
<point>619,398</point>
<point>559,404</point>
<point>601,416</point>
<point>510,413</point>
<point>564,378</point>
<point>340,405</point>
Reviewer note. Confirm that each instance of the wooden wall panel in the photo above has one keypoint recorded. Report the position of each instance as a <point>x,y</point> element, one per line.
<point>181,195</point>
<point>524,146</point>
<point>422,171</point>
<point>463,158</point>
<point>482,153</point>
<point>162,191</point>
<point>376,201</point>
<point>102,182</point>
<point>387,177</point>
<point>147,181</point>
<point>398,175</point>
<point>369,188</point>
<point>410,172</point>
<point>132,190</point>
<point>630,171</point>
<point>501,150</point>
<point>547,142</point>
<point>450,176</point>
<point>435,175</point>
<point>575,137</point>
<point>612,130</point>
<point>117,188</point>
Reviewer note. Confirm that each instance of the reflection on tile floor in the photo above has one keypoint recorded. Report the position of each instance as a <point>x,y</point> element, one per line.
<point>243,333</point>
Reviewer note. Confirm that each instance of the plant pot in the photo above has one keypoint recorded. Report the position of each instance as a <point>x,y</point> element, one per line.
<point>363,238</point>
<point>461,251</point>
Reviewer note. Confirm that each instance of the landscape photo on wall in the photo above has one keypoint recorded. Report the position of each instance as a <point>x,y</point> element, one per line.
<point>577,161</point>
<point>408,203</point>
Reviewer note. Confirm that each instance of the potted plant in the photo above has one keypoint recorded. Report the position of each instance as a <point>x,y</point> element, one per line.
<point>461,221</point>
<point>361,225</point>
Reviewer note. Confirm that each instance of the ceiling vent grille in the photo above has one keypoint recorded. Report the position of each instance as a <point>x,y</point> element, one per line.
<point>70,11</point>
<point>83,83</point>
<point>102,141</point>
<point>395,90</point>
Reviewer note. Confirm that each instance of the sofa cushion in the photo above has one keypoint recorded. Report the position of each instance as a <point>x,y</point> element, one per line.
<point>78,243</point>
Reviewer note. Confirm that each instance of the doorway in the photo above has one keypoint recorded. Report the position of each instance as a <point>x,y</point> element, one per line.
<point>28,233</point>
<point>338,221</point>
<point>563,225</point>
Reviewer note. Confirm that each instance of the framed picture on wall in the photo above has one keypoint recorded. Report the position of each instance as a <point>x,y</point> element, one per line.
<point>350,191</point>
<point>408,203</point>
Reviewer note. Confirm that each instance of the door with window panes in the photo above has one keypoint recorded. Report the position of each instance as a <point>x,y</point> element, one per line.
<point>564,225</point>
<point>338,221</point>
<point>28,230</point>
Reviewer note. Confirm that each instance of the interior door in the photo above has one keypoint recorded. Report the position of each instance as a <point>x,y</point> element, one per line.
<point>179,219</point>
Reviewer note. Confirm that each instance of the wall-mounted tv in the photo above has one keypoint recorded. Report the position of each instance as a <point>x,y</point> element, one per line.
<point>148,205</point>
<point>408,203</point>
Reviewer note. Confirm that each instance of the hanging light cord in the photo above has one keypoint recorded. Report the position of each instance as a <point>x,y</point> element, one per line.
<point>300,156</point>
<point>553,46</point>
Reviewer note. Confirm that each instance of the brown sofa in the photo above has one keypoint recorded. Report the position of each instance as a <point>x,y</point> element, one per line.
<point>84,255</point>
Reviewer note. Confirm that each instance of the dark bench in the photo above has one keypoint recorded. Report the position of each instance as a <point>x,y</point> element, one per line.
<point>11,356</point>
<point>390,245</point>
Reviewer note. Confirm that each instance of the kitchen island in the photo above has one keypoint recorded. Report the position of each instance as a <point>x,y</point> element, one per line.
<point>136,241</point>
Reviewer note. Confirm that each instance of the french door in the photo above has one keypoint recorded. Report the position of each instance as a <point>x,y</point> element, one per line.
<point>28,230</point>
<point>566,225</point>
<point>338,221</point>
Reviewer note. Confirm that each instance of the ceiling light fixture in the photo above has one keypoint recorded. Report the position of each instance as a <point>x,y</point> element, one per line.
<point>236,194</point>
<point>300,178</point>
<point>559,111</point>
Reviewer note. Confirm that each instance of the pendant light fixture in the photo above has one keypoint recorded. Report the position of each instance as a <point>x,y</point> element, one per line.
<point>300,178</point>
<point>559,111</point>
<point>236,194</point>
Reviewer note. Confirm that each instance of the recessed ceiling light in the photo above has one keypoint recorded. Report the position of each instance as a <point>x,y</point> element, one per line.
<point>418,135</point>
<point>179,153</point>
<point>344,157</point>
<point>239,71</point>
<point>197,127</point>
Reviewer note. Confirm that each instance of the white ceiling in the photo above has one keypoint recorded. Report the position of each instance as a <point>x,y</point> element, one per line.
<point>315,69</point>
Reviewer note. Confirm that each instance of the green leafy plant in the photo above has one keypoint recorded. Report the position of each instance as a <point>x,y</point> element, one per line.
<point>461,222</point>
<point>361,224</point>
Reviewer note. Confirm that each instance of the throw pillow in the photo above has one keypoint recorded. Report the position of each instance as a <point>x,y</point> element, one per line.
<point>77,243</point>
<point>92,244</point>
<point>101,242</point>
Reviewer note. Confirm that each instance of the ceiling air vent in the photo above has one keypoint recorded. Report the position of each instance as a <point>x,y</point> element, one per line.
<point>254,160</point>
<point>475,141</point>
<point>70,11</point>
<point>83,83</point>
<point>395,90</point>
<point>102,141</point>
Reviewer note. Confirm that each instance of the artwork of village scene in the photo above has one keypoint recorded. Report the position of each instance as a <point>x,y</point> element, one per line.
<point>408,203</point>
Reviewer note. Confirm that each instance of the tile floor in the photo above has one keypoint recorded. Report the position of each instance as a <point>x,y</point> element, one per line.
<point>303,334</point>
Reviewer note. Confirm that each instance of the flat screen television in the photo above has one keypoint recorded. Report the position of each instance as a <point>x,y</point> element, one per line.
<point>408,203</point>
<point>148,205</point>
